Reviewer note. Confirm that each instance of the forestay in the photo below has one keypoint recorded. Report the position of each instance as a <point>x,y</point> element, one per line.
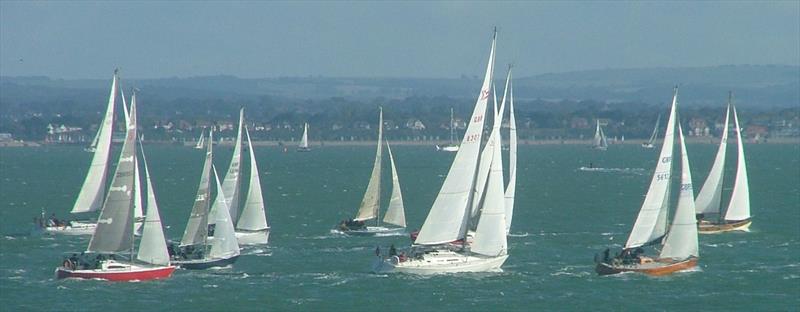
<point>448,215</point>
<point>739,206</point>
<point>651,221</point>
<point>254,217</point>
<point>681,240</point>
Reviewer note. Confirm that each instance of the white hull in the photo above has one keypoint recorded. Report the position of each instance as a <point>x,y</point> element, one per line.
<point>447,148</point>
<point>75,228</point>
<point>253,238</point>
<point>439,262</point>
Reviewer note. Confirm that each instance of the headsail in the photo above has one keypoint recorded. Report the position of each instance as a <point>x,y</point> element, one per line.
<point>253,217</point>
<point>512,157</point>
<point>201,140</point>
<point>152,247</point>
<point>395,214</point>
<point>114,231</point>
<point>197,228</point>
<point>372,197</point>
<point>91,196</point>
<point>710,196</point>
<point>448,215</point>
<point>681,240</point>
<point>484,164</point>
<point>739,206</point>
<point>224,244</point>
<point>652,219</point>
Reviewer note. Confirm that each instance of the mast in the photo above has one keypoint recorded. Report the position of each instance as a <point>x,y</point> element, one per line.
<point>449,213</point>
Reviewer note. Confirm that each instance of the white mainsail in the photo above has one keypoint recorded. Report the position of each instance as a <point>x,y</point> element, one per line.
<point>152,247</point>
<point>372,197</point>
<point>652,219</point>
<point>710,197</point>
<point>599,138</point>
<point>232,182</point>
<point>739,206</point>
<point>114,231</point>
<point>91,195</point>
<point>449,214</point>
<point>304,139</point>
<point>201,140</point>
<point>395,214</point>
<point>224,244</point>
<point>512,157</point>
<point>197,227</point>
<point>490,234</point>
<point>254,217</point>
<point>681,240</point>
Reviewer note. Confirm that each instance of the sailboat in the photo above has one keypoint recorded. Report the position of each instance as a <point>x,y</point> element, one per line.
<point>201,141</point>
<point>512,158</point>
<point>448,219</point>
<point>303,146</point>
<point>114,234</point>
<point>709,200</point>
<point>599,141</point>
<point>678,241</point>
<point>652,141</point>
<point>371,203</point>
<point>452,146</point>
<point>252,227</point>
<point>194,251</point>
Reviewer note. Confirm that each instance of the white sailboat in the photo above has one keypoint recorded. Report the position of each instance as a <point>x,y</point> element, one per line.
<point>114,234</point>
<point>371,203</point>
<point>599,142</point>
<point>452,146</point>
<point>652,141</point>
<point>201,141</point>
<point>303,146</point>
<point>448,219</point>
<point>252,227</point>
<point>678,241</point>
<point>709,200</point>
<point>196,251</point>
<point>512,157</point>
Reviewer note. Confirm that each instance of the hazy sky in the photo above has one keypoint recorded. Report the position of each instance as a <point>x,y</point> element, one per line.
<point>385,39</point>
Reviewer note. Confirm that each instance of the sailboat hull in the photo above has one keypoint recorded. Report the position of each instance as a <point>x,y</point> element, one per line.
<point>117,272</point>
<point>715,228</point>
<point>439,262</point>
<point>303,149</point>
<point>447,148</point>
<point>375,231</point>
<point>203,264</point>
<point>75,228</point>
<point>659,267</point>
<point>252,237</point>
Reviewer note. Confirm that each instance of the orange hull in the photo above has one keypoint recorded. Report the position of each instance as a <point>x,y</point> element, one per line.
<point>660,267</point>
<point>713,228</point>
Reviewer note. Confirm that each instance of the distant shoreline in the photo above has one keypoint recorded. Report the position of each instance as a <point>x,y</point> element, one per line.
<point>292,144</point>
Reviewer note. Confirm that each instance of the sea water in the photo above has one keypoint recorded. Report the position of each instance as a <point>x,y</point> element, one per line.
<point>562,217</point>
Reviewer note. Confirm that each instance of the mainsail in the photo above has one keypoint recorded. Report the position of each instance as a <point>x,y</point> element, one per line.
<point>395,214</point>
<point>152,247</point>
<point>512,157</point>
<point>197,228</point>
<point>372,197</point>
<point>652,219</point>
<point>681,240</point>
<point>114,231</point>
<point>232,182</point>
<point>90,197</point>
<point>201,140</point>
<point>304,139</point>
<point>484,164</point>
<point>449,214</point>
<point>599,137</point>
<point>710,196</point>
<point>253,216</point>
<point>739,206</point>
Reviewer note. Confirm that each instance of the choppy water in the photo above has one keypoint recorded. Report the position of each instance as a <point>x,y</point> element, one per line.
<point>563,216</point>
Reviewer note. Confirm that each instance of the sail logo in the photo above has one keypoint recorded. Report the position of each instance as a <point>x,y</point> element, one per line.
<point>686,187</point>
<point>123,188</point>
<point>105,221</point>
<point>126,159</point>
<point>200,197</point>
<point>484,94</point>
<point>666,159</point>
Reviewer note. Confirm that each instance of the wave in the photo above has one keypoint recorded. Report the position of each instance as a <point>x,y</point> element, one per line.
<point>613,170</point>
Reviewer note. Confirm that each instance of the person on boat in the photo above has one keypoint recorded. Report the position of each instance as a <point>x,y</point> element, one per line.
<point>392,251</point>
<point>378,251</point>
<point>606,257</point>
<point>591,165</point>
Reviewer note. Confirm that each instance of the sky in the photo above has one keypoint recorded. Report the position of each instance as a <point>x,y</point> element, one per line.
<point>254,39</point>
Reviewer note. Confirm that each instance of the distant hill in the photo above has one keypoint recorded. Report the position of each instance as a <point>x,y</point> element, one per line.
<point>754,86</point>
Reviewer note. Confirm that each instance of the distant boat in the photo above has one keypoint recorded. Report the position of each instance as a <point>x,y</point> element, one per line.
<point>201,141</point>
<point>600,141</point>
<point>303,146</point>
<point>371,203</point>
<point>195,251</point>
<point>452,146</point>
<point>678,241</point>
<point>709,200</point>
<point>114,234</point>
<point>652,141</point>
<point>447,220</point>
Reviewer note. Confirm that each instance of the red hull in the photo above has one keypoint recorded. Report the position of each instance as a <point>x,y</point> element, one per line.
<point>139,274</point>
